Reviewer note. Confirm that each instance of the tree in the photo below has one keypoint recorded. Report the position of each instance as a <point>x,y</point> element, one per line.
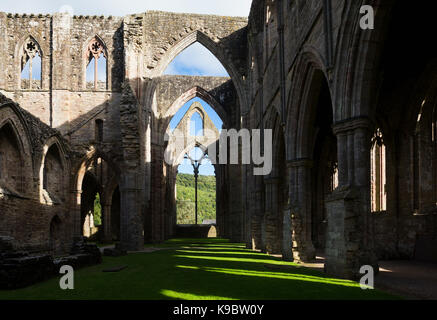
<point>97,211</point>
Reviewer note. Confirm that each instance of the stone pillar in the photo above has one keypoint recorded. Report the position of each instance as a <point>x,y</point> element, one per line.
<point>77,228</point>
<point>287,243</point>
<point>300,207</point>
<point>257,218</point>
<point>249,200</point>
<point>235,215</point>
<point>131,231</point>
<point>273,218</point>
<point>107,230</point>
<point>349,245</point>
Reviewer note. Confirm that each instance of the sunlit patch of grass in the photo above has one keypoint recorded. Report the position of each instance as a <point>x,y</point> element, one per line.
<point>198,269</point>
<point>277,275</point>
<point>269,261</point>
<point>188,296</point>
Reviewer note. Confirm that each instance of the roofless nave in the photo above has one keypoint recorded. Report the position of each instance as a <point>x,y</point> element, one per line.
<point>352,112</point>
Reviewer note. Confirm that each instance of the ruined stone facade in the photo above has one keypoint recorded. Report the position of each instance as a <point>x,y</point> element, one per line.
<point>352,113</point>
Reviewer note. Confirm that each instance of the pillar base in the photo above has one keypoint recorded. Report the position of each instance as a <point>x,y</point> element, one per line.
<point>348,246</point>
<point>304,254</point>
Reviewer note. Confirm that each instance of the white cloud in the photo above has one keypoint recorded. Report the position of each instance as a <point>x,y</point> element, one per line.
<point>121,8</point>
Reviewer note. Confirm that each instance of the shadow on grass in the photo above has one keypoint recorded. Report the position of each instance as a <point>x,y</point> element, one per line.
<point>215,270</point>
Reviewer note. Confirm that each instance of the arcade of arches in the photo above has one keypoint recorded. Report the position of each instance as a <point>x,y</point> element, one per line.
<point>353,114</point>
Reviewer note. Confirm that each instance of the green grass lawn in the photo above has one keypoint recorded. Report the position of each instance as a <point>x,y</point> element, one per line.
<point>198,269</point>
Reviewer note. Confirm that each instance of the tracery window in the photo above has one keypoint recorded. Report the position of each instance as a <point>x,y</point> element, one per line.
<point>31,65</point>
<point>378,163</point>
<point>96,72</point>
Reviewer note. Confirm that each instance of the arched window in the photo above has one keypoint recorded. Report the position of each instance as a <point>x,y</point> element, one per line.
<point>196,125</point>
<point>96,71</point>
<point>31,65</point>
<point>378,173</point>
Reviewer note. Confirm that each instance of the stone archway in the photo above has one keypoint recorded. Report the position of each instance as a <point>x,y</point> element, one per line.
<point>103,176</point>
<point>216,50</point>
<point>11,159</point>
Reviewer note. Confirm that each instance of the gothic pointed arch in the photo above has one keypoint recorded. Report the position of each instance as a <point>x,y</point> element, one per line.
<point>309,76</point>
<point>91,156</point>
<point>53,174</point>
<point>180,138</point>
<point>30,64</point>
<point>15,151</point>
<point>196,92</point>
<point>214,47</point>
<point>357,56</point>
<point>95,59</point>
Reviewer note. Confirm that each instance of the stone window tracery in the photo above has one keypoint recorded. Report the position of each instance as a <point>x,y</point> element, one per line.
<point>96,73</point>
<point>31,65</point>
<point>378,164</point>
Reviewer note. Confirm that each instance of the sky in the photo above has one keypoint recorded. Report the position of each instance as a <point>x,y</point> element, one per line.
<point>196,60</point>
<point>238,8</point>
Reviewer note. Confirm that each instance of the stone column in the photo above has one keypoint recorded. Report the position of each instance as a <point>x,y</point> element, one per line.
<point>300,209</point>
<point>273,218</point>
<point>287,243</point>
<point>257,221</point>
<point>235,216</point>
<point>77,228</point>
<point>349,245</point>
<point>131,231</point>
<point>249,201</point>
<point>107,230</point>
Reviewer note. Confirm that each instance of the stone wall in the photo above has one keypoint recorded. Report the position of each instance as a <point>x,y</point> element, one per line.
<point>26,208</point>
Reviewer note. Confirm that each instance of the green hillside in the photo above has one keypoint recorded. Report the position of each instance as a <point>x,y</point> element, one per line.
<point>186,195</point>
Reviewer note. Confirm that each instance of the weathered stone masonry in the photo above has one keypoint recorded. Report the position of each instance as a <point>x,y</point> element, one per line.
<point>302,68</point>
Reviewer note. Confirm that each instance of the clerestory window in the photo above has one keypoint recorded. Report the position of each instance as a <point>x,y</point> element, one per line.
<point>96,72</point>
<point>31,65</point>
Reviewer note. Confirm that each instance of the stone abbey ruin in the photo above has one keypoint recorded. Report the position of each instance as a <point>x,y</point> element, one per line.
<point>353,114</point>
